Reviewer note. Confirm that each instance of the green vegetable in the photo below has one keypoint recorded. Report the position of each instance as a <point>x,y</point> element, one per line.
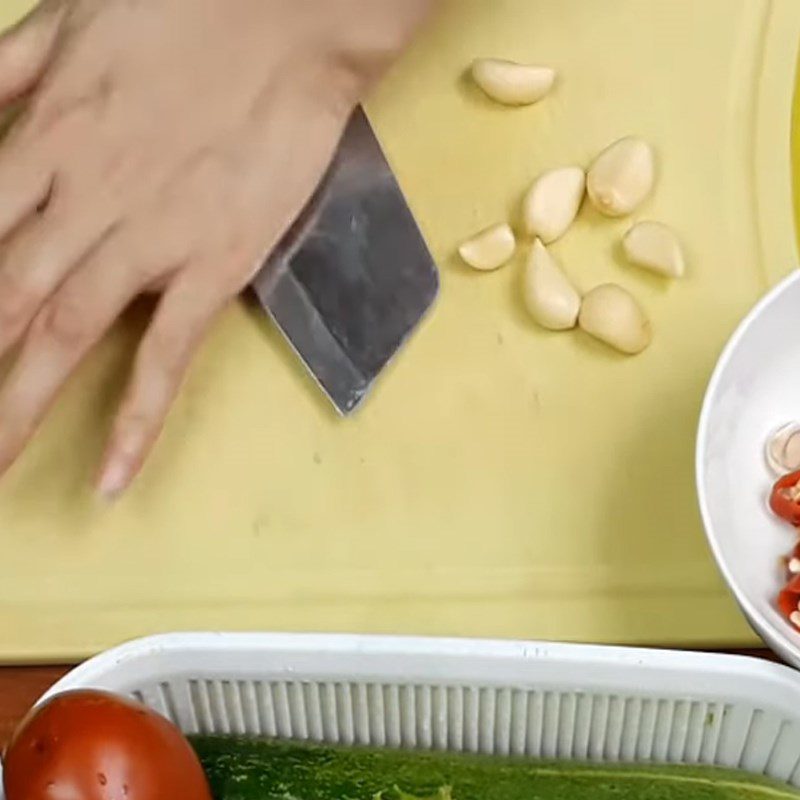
<point>240,769</point>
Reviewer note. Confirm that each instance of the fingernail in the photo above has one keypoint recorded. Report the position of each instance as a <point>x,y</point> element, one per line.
<point>114,479</point>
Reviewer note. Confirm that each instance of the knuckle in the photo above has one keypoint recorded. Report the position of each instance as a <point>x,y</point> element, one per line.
<point>167,350</point>
<point>63,321</point>
<point>57,109</point>
<point>45,113</point>
<point>18,300</point>
<point>132,426</point>
<point>136,426</point>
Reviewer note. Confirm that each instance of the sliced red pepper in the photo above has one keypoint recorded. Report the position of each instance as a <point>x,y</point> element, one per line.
<point>784,499</point>
<point>788,600</point>
<point>792,563</point>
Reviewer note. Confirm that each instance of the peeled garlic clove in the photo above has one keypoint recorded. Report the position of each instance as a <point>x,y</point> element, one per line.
<point>549,296</point>
<point>783,449</point>
<point>655,247</point>
<point>490,249</point>
<point>621,177</point>
<point>552,203</point>
<point>612,315</point>
<point>510,83</point>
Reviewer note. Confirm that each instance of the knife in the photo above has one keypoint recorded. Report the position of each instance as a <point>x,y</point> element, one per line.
<point>352,278</point>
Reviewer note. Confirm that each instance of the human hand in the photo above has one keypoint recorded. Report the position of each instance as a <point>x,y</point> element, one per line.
<point>164,145</point>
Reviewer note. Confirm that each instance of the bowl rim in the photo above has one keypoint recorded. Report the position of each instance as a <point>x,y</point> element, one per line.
<point>775,639</point>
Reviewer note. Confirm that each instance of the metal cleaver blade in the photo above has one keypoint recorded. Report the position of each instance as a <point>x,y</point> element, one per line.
<point>353,277</point>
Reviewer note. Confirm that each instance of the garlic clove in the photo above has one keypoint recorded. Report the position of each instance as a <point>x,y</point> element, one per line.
<point>510,83</point>
<point>655,247</point>
<point>621,177</point>
<point>553,202</point>
<point>782,450</point>
<point>548,294</point>
<point>612,315</point>
<point>489,249</point>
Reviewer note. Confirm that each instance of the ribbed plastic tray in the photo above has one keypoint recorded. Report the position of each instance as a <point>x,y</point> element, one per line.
<point>502,698</point>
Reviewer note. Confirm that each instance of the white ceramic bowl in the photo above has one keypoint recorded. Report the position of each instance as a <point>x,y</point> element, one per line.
<point>755,389</point>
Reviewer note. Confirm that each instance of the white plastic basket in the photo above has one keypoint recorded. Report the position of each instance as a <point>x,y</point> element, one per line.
<point>504,698</point>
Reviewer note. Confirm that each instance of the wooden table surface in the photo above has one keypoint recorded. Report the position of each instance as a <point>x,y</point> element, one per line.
<point>20,687</point>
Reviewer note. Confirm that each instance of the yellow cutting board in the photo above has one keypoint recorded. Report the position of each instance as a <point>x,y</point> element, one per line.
<point>501,481</point>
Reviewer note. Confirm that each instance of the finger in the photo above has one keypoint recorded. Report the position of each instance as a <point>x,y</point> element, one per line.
<point>181,320</point>
<point>36,261</point>
<point>26,181</point>
<point>26,172</point>
<point>26,49</point>
<point>63,332</point>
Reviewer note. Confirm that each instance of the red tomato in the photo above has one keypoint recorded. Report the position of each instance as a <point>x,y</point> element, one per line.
<point>784,500</point>
<point>91,745</point>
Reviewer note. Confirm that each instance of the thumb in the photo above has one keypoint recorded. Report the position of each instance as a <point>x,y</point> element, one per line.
<point>25,50</point>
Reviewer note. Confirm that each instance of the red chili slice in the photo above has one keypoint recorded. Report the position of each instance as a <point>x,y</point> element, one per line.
<point>784,500</point>
<point>792,563</point>
<point>788,600</point>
